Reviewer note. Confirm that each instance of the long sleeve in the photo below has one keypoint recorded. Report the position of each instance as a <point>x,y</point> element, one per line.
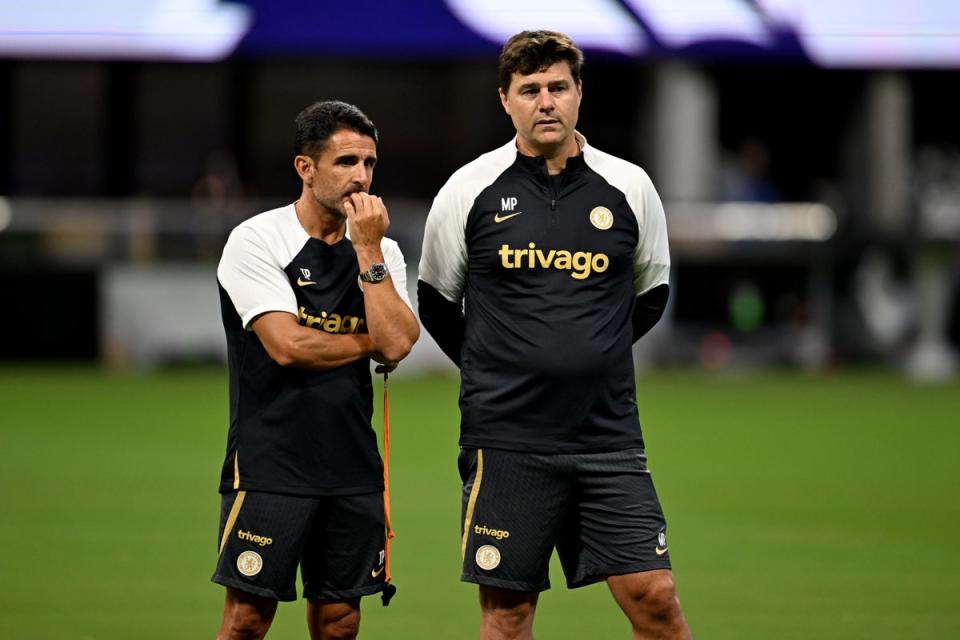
<point>442,319</point>
<point>648,309</point>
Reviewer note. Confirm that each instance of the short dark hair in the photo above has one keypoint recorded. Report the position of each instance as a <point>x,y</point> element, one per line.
<point>319,121</point>
<point>532,51</point>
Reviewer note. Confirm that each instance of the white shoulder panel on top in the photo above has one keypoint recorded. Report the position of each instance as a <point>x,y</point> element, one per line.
<point>256,253</point>
<point>443,261</point>
<point>651,265</point>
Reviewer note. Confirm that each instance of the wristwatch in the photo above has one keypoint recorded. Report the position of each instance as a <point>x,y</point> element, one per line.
<point>376,273</point>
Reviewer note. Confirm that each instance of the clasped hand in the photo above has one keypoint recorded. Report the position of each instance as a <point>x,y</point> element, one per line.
<point>367,219</point>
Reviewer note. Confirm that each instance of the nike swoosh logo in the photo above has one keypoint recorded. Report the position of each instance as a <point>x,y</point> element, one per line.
<point>377,572</point>
<point>499,218</point>
<point>660,551</point>
<point>303,283</point>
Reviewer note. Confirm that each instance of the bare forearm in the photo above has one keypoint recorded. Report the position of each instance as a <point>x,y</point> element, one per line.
<point>291,345</point>
<point>323,351</point>
<point>391,324</point>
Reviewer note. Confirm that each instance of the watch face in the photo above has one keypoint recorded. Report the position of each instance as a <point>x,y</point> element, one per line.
<point>376,273</point>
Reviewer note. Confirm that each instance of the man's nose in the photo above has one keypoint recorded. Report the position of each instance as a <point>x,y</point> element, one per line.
<point>361,174</point>
<point>545,100</point>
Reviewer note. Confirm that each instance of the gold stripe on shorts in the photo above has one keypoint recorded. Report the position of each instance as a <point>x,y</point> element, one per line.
<point>232,518</point>
<point>472,502</point>
<point>236,469</point>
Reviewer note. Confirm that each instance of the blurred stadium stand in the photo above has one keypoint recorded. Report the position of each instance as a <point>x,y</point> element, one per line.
<point>813,196</point>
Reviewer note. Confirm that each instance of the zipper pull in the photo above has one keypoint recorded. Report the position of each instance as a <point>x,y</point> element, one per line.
<point>553,205</point>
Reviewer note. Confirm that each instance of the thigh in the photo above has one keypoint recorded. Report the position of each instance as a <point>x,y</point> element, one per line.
<point>617,525</point>
<point>261,540</point>
<point>512,505</point>
<point>344,555</point>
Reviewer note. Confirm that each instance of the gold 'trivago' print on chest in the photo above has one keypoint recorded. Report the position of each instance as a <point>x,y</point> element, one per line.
<point>330,322</point>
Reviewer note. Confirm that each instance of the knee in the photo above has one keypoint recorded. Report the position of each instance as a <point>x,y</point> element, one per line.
<point>515,616</point>
<point>509,612</point>
<point>659,600</point>
<point>345,626</point>
<point>245,623</point>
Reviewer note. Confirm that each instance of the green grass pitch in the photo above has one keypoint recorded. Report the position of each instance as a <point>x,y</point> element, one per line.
<point>799,507</point>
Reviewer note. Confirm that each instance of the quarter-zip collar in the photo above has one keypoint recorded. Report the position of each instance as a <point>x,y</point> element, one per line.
<point>536,166</point>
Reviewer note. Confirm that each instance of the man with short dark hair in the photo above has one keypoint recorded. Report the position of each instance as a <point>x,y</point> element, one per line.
<point>543,261</point>
<point>310,293</point>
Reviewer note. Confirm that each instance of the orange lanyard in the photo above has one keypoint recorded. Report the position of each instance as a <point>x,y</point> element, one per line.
<point>389,589</point>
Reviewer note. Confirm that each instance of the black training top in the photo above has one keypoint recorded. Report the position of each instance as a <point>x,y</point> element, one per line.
<point>548,268</point>
<point>296,431</point>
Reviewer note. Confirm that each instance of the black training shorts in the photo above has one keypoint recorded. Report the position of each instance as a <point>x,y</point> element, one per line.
<point>599,510</point>
<point>338,542</point>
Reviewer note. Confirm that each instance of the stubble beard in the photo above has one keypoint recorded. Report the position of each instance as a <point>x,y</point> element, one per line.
<point>333,206</point>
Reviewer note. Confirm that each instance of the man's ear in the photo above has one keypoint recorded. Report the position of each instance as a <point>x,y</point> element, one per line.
<point>503,100</point>
<point>304,167</point>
